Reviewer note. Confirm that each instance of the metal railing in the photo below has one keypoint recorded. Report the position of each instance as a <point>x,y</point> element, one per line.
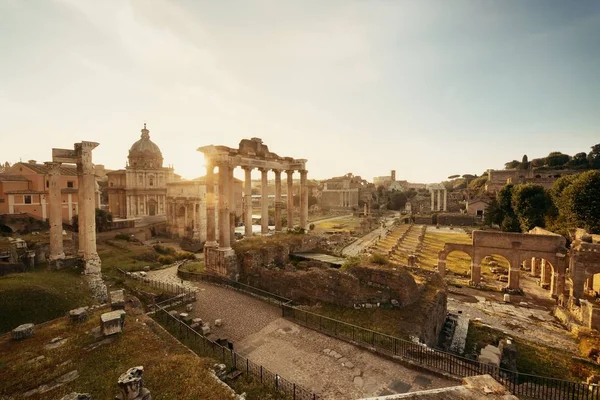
<point>524,385</point>
<point>233,361</point>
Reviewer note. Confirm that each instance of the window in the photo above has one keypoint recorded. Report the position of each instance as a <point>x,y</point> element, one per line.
<point>27,199</point>
<point>47,183</point>
<point>479,213</point>
<point>69,184</point>
<point>151,181</point>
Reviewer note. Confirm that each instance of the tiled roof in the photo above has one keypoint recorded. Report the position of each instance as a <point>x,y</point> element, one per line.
<point>7,177</point>
<point>24,191</point>
<point>42,169</point>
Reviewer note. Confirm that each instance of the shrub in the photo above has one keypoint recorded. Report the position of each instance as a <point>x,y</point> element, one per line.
<point>184,255</point>
<point>165,250</point>
<point>351,262</point>
<point>122,236</point>
<point>311,227</point>
<point>166,260</point>
<point>379,259</point>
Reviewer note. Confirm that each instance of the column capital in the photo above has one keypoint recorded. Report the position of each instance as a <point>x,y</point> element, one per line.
<point>54,167</point>
<point>264,170</point>
<point>276,171</point>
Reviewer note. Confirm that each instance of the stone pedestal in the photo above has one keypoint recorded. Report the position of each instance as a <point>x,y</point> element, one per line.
<point>221,262</point>
<point>117,299</point>
<point>513,278</point>
<point>132,385</point>
<point>23,331</point>
<point>112,322</point>
<point>79,314</point>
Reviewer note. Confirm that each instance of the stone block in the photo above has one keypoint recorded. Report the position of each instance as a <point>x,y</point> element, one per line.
<point>174,313</point>
<point>117,299</point>
<point>79,314</point>
<point>197,321</point>
<point>132,385</point>
<point>77,396</point>
<point>490,355</point>
<point>112,322</point>
<point>189,307</point>
<point>507,298</point>
<point>23,331</point>
<point>218,322</point>
<point>205,330</point>
<point>183,316</point>
<point>194,325</point>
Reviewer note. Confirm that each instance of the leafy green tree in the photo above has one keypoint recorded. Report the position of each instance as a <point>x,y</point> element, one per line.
<point>580,202</point>
<point>557,159</point>
<point>396,201</point>
<point>506,214</point>
<point>594,157</point>
<point>512,164</point>
<point>493,214</point>
<point>510,224</point>
<point>538,162</point>
<point>103,221</point>
<point>531,204</point>
<point>579,161</point>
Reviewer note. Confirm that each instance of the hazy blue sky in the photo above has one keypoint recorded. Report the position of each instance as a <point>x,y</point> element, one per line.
<point>429,88</point>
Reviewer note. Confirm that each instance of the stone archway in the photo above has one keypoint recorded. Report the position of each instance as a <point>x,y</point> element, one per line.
<point>449,248</point>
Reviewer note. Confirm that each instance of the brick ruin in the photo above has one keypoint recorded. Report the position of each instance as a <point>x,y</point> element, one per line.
<point>366,286</point>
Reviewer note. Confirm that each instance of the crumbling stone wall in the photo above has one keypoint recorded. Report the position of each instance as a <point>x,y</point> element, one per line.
<point>361,285</point>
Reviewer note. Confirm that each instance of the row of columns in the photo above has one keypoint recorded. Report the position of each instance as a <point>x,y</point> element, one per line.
<point>227,203</point>
<point>439,206</point>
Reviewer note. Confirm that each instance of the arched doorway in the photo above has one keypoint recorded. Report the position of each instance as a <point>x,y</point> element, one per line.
<point>181,220</point>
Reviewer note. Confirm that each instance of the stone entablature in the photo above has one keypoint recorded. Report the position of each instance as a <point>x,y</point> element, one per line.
<point>438,190</point>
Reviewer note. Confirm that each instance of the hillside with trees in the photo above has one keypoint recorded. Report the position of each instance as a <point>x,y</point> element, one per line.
<point>557,161</point>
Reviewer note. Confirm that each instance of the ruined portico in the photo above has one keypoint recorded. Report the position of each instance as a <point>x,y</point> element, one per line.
<point>251,154</point>
<point>81,156</point>
<point>516,248</point>
<point>438,190</point>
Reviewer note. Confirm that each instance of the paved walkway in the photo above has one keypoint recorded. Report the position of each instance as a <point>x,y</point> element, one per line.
<point>367,240</point>
<point>299,354</point>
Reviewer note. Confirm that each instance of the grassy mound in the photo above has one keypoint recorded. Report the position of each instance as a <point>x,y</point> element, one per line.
<point>39,296</point>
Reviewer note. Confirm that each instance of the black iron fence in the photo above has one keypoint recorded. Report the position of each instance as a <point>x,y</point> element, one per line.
<point>523,385</point>
<point>235,363</point>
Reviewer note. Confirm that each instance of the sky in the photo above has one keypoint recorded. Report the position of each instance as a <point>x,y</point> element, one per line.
<point>428,88</point>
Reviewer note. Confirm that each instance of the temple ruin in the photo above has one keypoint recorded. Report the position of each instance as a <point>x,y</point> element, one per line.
<point>251,154</point>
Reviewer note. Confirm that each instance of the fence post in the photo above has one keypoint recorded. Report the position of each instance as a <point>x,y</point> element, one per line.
<point>261,374</point>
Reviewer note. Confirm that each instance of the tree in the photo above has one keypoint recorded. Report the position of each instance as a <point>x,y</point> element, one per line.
<point>579,161</point>
<point>396,201</point>
<point>594,157</point>
<point>531,204</point>
<point>505,213</point>
<point>524,163</point>
<point>579,202</point>
<point>453,177</point>
<point>493,214</point>
<point>557,159</point>
<point>538,162</point>
<point>512,164</point>
<point>103,221</point>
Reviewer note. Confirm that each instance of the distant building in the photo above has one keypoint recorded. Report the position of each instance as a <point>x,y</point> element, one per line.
<point>498,178</point>
<point>476,208</point>
<point>140,189</point>
<point>343,192</point>
<point>24,189</point>
<point>186,207</point>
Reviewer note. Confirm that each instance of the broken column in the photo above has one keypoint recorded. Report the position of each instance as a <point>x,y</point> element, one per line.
<point>56,228</point>
<point>131,384</point>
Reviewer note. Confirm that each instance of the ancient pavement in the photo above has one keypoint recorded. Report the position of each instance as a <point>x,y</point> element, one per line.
<point>330,367</point>
<point>360,244</point>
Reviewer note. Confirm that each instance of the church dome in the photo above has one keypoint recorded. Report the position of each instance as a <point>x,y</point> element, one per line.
<point>145,153</point>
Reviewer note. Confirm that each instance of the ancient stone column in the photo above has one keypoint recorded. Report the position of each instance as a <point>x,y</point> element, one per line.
<point>211,238</point>
<point>546,274</point>
<point>290,199</point>
<point>264,201</point>
<point>195,213</point>
<point>277,200</point>
<point>439,200</point>
<point>445,200</point>
<point>535,267</point>
<point>88,205</point>
<point>224,232</point>
<point>232,207</point>
<point>80,210</point>
<point>56,228</point>
<point>432,200</point>
<point>303,200</point>
<point>248,200</point>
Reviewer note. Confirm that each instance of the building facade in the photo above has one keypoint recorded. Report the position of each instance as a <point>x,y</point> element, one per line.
<point>140,189</point>
<point>24,189</point>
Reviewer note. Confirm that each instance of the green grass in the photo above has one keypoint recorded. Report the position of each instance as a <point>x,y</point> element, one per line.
<point>39,296</point>
<point>126,256</point>
<point>344,224</point>
<point>170,370</point>
<point>532,358</point>
<point>196,267</point>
